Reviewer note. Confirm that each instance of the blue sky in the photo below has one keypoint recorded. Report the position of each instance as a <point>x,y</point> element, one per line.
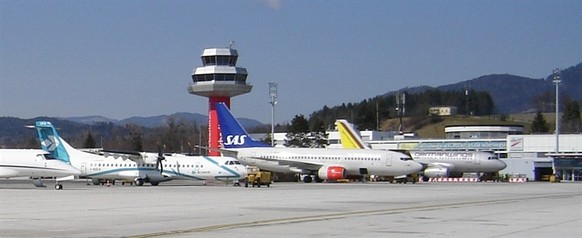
<point>135,58</point>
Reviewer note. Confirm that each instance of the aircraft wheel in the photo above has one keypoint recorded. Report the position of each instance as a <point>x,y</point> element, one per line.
<point>139,182</point>
<point>155,183</point>
<point>58,186</point>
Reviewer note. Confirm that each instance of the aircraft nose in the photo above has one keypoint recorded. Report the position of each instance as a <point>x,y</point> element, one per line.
<point>501,165</point>
<point>416,166</point>
<point>242,171</point>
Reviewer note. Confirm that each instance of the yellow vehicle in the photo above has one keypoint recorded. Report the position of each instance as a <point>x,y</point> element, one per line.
<point>257,178</point>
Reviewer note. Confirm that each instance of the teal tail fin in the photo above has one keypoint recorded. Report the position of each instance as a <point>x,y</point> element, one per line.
<point>51,142</point>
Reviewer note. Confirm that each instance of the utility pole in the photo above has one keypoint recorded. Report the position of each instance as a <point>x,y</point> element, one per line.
<point>400,108</point>
<point>557,81</point>
<point>467,101</point>
<point>273,94</point>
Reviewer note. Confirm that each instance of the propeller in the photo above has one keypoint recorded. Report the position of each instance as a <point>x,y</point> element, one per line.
<point>161,157</point>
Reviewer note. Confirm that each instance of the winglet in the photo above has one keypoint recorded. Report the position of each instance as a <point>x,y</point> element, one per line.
<point>233,134</point>
<point>51,142</point>
<point>348,136</point>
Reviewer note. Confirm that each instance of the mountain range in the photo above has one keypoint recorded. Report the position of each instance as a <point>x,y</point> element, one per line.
<point>515,94</point>
<point>510,93</point>
<point>156,121</point>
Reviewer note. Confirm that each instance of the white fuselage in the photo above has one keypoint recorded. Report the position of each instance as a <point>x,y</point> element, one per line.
<point>32,163</point>
<point>174,166</point>
<point>306,160</point>
<point>459,161</point>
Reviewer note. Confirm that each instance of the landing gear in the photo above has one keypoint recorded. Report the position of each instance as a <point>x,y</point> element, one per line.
<point>307,179</point>
<point>155,183</point>
<point>58,186</point>
<point>139,182</point>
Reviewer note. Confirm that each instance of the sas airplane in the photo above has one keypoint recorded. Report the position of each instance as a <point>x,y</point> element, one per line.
<point>34,164</point>
<point>436,163</point>
<point>144,167</point>
<point>329,164</point>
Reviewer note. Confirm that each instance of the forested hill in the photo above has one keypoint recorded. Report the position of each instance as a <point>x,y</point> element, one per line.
<point>508,94</point>
<point>515,94</point>
<point>368,113</point>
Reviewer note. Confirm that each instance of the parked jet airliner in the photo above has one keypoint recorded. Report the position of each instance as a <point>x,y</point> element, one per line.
<point>148,167</point>
<point>330,164</point>
<point>436,163</point>
<point>34,164</point>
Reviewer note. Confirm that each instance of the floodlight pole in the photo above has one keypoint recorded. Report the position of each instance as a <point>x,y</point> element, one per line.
<point>557,81</point>
<point>273,94</point>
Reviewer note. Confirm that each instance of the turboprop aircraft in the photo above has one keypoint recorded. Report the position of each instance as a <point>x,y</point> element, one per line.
<point>34,164</point>
<point>326,164</point>
<point>436,163</point>
<point>143,167</point>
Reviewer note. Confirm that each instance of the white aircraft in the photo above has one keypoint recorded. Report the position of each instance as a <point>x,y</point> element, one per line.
<point>436,163</point>
<point>35,164</point>
<point>140,168</point>
<point>329,164</point>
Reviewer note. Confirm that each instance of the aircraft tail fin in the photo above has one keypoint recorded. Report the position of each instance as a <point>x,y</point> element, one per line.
<point>233,134</point>
<point>348,136</point>
<point>51,142</point>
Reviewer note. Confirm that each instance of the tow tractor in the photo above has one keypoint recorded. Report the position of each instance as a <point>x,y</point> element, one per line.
<point>256,177</point>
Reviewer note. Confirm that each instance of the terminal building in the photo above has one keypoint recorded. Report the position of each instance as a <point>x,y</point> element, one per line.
<point>530,156</point>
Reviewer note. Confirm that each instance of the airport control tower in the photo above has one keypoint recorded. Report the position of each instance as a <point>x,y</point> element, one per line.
<point>218,79</point>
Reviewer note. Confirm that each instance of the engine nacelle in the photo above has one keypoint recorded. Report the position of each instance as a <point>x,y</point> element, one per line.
<point>437,172</point>
<point>331,172</point>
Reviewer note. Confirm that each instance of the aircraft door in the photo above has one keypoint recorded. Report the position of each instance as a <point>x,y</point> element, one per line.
<point>388,160</point>
<point>83,168</point>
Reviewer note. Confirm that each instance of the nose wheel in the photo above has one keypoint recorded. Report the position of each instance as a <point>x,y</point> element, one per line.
<point>58,186</point>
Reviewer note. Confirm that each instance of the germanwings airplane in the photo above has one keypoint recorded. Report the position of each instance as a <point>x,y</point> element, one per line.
<point>35,164</point>
<point>436,163</point>
<point>141,168</point>
<point>325,164</point>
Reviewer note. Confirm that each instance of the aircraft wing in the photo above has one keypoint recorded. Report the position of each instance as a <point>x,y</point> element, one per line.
<point>299,166</point>
<point>224,152</point>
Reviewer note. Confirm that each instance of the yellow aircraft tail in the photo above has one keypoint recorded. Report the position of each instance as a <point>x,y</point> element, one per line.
<point>348,136</point>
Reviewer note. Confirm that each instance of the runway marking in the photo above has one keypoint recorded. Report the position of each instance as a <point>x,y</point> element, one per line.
<point>339,215</point>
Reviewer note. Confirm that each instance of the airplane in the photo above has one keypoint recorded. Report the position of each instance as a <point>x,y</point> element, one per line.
<point>35,164</point>
<point>140,167</point>
<point>436,164</point>
<point>324,164</point>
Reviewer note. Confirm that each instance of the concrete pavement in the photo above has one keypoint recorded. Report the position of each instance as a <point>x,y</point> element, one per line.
<point>187,209</point>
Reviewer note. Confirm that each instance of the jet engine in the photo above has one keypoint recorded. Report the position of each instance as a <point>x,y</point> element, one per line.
<point>331,172</point>
<point>441,172</point>
<point>436,172</point>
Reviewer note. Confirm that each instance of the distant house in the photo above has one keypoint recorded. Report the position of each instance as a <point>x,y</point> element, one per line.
<point>443,111</point>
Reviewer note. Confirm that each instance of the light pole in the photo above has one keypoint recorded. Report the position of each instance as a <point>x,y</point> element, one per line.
<point>557,81</point>
<point>273,94</point>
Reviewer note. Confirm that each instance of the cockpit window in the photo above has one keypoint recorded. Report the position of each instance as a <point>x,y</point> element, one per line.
<point>232,162</point>
<point>405,158</point>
